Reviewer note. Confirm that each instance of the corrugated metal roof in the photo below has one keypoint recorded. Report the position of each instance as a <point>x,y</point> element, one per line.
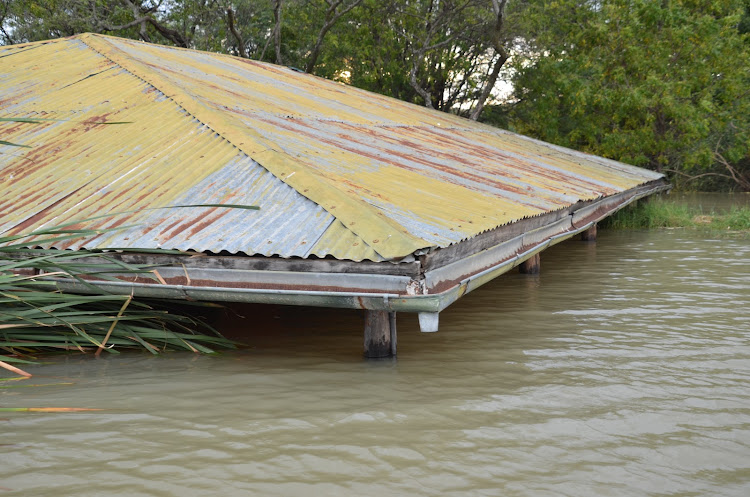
<point>335,170</point>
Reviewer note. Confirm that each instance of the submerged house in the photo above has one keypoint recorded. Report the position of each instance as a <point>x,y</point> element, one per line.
<point>364,201</point>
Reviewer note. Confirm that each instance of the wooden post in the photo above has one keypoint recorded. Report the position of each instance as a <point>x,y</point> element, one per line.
<point>380,333</point>
<point>394,338</point>
<point>589,235</point>
<point>530,265</point>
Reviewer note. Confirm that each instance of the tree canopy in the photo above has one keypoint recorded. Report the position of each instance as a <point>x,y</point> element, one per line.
<point>662,85</point>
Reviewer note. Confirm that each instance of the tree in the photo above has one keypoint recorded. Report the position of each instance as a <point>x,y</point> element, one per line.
<point>45,19</point>
<point>445,54</point>
<point>335,10</point>
<point>657,84</point>
<point>501,56</point>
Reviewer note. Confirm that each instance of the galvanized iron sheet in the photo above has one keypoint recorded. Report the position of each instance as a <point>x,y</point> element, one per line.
<point>159,156</point>
<point>336,170</point>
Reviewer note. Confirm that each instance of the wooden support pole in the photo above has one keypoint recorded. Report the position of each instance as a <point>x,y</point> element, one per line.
<point>380,334</point>
<point>394,338</point>
<point>589,235</point>
<point>530,265</point>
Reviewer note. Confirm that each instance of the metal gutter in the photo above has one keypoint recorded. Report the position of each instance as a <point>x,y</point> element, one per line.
<point>468,274</point>
<point>350,300</point>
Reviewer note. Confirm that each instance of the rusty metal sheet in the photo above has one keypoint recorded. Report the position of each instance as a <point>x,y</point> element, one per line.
<point>161,156</point>
<point>337,171</point>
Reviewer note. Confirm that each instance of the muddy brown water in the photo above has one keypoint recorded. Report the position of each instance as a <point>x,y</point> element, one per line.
<point>623,370</point>
<point>710,203</point>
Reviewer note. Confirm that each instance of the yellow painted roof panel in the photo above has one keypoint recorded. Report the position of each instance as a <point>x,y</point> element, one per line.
<point>382,178</point>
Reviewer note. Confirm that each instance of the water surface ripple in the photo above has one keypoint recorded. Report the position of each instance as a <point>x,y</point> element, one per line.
<point>623,369</point>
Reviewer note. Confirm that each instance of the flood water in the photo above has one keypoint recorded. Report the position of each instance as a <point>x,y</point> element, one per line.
<point>622,370</point>
<point>710,203</point>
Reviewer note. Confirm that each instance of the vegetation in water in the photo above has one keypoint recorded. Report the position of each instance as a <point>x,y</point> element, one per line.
<point>663,85</point>
<point>661,212</point>
<point>36,316</point>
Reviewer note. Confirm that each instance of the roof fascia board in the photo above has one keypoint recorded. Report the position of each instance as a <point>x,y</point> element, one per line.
<point>480,267</point>
<point>442,256</point>
<point>260,263</point>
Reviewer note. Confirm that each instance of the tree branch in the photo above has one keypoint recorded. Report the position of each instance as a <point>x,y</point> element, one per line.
<point>236,34</point>
<point>105,27</point>
<point>415,62</point>
<point>143,30</point>
<point>498,7</point>
<point>331,18</point>
<point>275,34</point>
<point>690,177</point>
<point>742,180</point>
<point>7,36</point>
<point>168,33</point>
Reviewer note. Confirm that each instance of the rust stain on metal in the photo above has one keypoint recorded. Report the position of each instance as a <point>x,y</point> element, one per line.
<point>187,282</point>
<point>337,171</point>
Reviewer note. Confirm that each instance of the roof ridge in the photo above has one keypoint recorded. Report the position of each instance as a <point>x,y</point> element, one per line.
<point>39,42</point>
<point>369,224</point>
<point>180,49</point>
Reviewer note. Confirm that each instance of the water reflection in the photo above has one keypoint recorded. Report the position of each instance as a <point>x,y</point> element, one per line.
<point>621,370</point>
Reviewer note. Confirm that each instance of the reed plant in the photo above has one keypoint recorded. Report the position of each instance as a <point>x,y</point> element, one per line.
<point>661,212</point>
<point>37,316</point>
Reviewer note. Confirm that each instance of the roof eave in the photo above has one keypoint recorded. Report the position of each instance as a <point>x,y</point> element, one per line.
<point>426,285</point>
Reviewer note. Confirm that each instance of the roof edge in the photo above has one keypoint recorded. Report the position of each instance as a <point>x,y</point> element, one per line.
<point>40,42</point>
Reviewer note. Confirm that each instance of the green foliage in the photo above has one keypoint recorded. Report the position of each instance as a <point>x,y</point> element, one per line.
<point>376,45</point>
<point>662,85</point>
<point>736,219</point>
<point>36,316</point>
<point>655,213</point>
<point>744,25</point>
<point>35,20</point>
<point>373,46</point>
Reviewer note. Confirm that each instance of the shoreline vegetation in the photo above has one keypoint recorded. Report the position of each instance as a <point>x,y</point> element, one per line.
<point>37,317</point>
<point>665,212</point>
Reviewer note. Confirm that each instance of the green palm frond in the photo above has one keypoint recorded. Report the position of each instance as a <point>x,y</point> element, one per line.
<point>36,316</point>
